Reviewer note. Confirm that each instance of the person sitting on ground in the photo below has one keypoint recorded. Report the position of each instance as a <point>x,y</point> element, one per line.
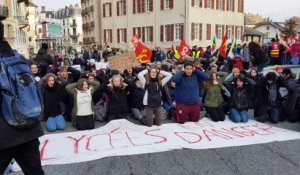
<point>213,99</point>
<point>116,92</point>
<point>240,89</point>
<point>135,99</point>
<point>82,112</point>
<point>152,100</point>
<point>53,103</point>
<point>187,93</point>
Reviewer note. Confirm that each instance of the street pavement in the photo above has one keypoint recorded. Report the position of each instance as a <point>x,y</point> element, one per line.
<point>277,158</point>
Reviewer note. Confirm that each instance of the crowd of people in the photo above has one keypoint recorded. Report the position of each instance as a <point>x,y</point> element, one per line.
<point>179,87</point>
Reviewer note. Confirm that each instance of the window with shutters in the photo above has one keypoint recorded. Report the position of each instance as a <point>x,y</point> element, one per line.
<point>219,31</point>
<point>148,5</point>
<point>196,3</point>
<point>209,3</point>
<point>178,32</point>
<point>208,32</point>
<point>167,4</point>
<point>122,35</point>
<point>166,32</point>
<point>230,5</point>
<point>107,35</point>
<point>220,4</point>
<point>107,10</point>
<point>139,6</point>
<point>239,33</point>
<point>148,34</point>
<point>196,32</point>
<point>121,8</point>
<point>229,32</point>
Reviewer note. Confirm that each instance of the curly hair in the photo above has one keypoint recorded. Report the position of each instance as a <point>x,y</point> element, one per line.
<point>46,79</point>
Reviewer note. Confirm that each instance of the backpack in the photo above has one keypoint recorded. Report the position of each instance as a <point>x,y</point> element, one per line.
<point>21,99</point>
<point>100,109</point>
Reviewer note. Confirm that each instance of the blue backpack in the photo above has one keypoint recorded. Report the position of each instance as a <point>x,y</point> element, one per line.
<point>21,99</point>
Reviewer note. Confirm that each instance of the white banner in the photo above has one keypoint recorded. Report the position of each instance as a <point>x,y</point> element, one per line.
<point>121,137</point>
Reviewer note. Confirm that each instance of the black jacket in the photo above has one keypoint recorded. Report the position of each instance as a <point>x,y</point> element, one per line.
<point>43,57</point>
<point>135,98</point>
<point>117,103</point>
<point>240,97</point>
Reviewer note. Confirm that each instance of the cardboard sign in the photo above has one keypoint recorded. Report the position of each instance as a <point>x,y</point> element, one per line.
<point>123,61</point>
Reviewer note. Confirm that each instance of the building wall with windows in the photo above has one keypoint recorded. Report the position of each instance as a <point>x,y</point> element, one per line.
<point>161,23</point>
<point>16,25</point>
<point>91,23</point>
<point>71,27</point>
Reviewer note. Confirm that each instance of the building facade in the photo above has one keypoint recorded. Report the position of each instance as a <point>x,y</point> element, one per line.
<point>91,20</point>
<point>72,38</point>
<point>163,23</point>
<point>49,30</point>
<point>16,24</point>
<point>32,31</point>
<point>269,28</point>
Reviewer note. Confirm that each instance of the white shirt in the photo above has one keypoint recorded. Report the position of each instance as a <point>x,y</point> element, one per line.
<point>84,103</point>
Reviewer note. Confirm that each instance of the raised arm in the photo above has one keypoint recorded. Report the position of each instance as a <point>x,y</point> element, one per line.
<point>202,75</point>
<point>167,77</point>
<point>177,77</point>
<point>71,88</point>
<point>141,77</point>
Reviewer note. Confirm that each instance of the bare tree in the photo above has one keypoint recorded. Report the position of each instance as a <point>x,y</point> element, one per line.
<point>289,29</point>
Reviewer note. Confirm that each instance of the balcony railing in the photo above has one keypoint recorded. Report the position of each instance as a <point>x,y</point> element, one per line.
<point>92,8</point>
<point>74,35</point>
<point>73,25</point>
<point>22,21</point>
<point>3,12</point>
<point>92,24</point>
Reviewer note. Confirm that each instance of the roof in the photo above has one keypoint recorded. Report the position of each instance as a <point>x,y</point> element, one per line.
<point>32,4</point>
<point>248,20</point>
<point>274,24</point>
<point>252,32</point>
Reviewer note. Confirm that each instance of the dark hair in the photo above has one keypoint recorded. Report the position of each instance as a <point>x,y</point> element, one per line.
<point>271,76</point>
<point>45,46</point>
<point>287,71</point>
<point>240,77</point>
<point>188,63</point>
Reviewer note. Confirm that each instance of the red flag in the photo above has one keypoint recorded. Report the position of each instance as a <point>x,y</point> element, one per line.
<point>223,48</point>
<point>143,53</point>
<point>183,50</point>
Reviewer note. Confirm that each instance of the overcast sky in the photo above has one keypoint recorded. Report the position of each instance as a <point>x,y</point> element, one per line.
<point>277,10</point>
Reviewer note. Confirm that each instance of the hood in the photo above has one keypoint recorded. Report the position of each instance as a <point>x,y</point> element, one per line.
<point>42,51</point>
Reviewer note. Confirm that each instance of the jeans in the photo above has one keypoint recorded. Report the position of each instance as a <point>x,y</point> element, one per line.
<point>271,113</point>
<point>238,116</point>
<point>56,123</point>
<point>138,114</point>
<point>166,106</point>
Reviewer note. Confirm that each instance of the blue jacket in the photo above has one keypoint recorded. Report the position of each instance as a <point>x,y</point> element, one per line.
<point>187,88</point>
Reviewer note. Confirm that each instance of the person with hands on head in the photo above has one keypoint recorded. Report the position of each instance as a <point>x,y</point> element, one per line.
<point>240,88</point>
<point>153,84</point>
<point>187,93</point>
